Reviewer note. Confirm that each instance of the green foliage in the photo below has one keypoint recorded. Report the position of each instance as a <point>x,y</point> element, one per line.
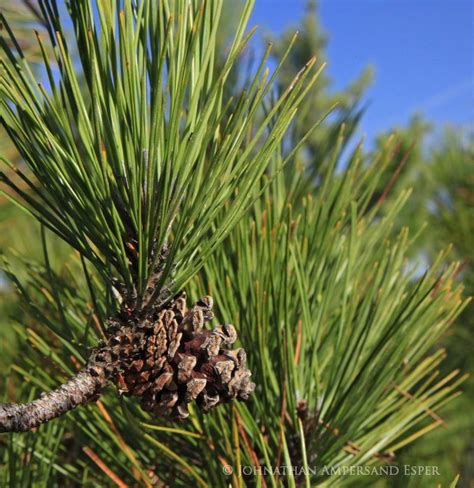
<point>339,335</point>
<point>337,323</point>
<point>442,176</point>
<point>16,227</point>
<point>32,459</point>
<point>144,156</point>
<point>451,204</point>
<point>310,263</point>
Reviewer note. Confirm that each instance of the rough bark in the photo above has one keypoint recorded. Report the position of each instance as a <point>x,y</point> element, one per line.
<point>85,386</point>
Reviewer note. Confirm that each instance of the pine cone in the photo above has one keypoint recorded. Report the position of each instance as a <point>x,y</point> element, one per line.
<point>169,360</point>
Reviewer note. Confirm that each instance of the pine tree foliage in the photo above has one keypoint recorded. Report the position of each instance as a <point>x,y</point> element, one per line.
<point>24,16</point>
<point>343,372</point>
<point>338,326</point>
<point>149,147</point>
<point>350,361</point>
<point>132,170</point>
<point>442,176</point>
<point>19,233</point>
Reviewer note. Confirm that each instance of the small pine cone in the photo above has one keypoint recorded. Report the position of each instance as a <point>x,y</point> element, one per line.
<point>169,359</point>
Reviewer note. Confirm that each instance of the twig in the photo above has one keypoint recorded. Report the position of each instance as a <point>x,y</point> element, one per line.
<point>21,417</point>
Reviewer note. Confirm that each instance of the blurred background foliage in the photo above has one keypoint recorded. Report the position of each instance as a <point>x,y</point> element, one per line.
<point>440,212</point>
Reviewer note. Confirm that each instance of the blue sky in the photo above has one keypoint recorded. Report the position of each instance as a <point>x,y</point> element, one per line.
<point>422,51</point>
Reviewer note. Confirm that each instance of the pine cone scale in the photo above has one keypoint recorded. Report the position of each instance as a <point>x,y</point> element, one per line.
<point>169,359</point>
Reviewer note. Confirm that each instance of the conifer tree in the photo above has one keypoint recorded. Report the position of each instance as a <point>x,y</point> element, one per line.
<point>164,187</point>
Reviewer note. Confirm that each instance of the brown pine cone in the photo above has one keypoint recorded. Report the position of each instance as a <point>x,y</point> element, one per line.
<point>169,360</point>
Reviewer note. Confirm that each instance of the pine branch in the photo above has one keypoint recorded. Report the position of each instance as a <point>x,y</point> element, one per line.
<point>165,357</point>
<point>82,388</point>
<point>159,151</point>
<point>134,149</point>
